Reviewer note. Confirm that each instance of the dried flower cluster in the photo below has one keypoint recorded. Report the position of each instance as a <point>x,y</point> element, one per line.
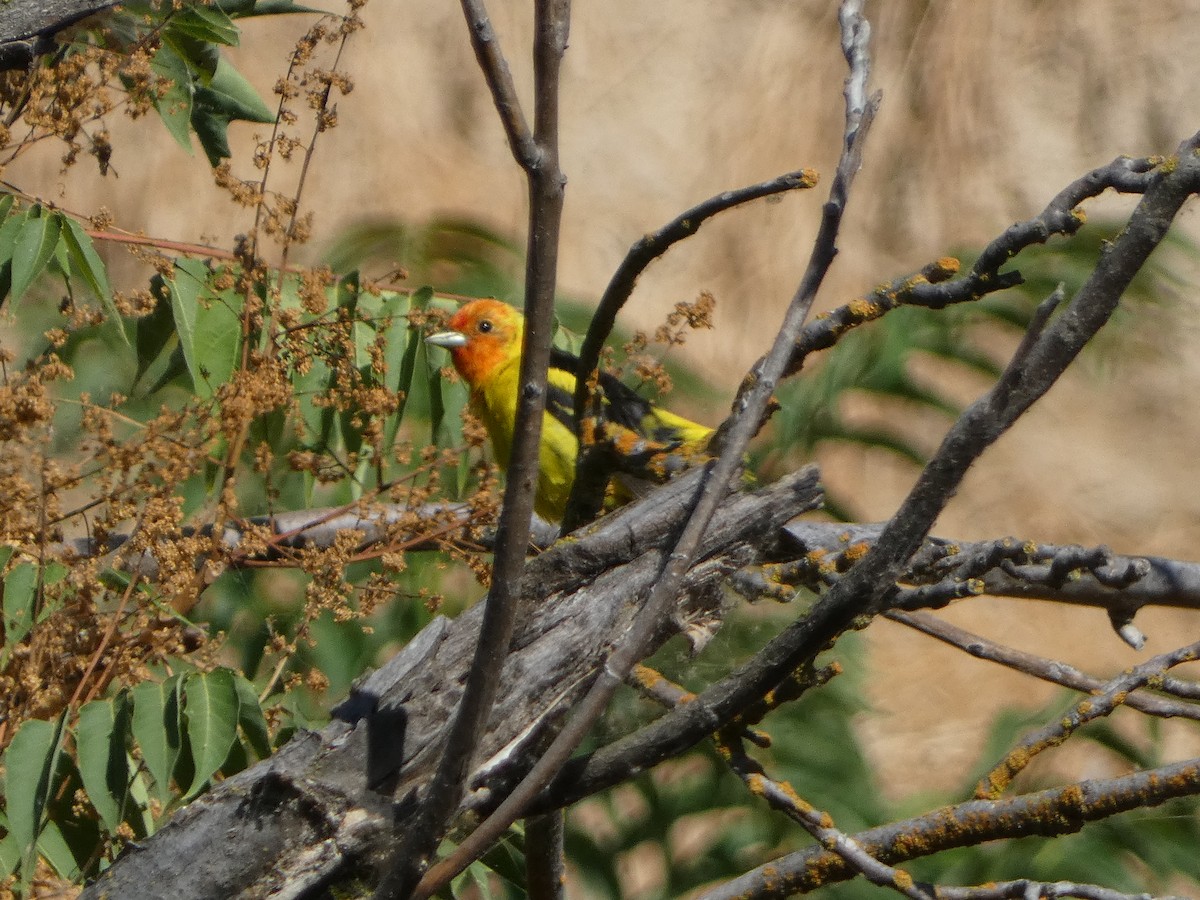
<point>120,503</point>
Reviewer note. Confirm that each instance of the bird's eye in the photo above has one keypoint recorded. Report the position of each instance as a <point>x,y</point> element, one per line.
<point>485,326</point>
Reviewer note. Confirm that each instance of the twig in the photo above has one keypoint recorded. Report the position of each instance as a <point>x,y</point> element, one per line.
<point>537,153</point>
<point>1049,670</point>
<point>650,247</point>
<point>499,79</point>
<point>1101,704</point>
<point>861,589</point>
<point>936,287</point>
<point>1024,889</point>
<point>591,467</point>
<point>1047,813</point>
<point>632,645</point>
<point>657,687</point>
<point>783,797</point>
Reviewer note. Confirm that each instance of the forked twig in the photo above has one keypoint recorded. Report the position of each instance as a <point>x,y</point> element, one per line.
<point>632,645</point>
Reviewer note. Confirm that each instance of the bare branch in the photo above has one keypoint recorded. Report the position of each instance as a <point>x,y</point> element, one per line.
<point>1052,735</point>
<point>861,590</point>
<point>649,248</point>
<point>1009,567</point>
<point>1048,813</point>
<point>634,643</point>
<point>1038,666</point>
<point>545,864</point>
<point>1023,889</point>
<point>936,286</point>
<point>499,79</point>
<point>538,156</point>
<point>783,797</point>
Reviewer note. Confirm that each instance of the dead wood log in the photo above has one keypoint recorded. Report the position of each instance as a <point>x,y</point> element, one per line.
<point>325,808</point>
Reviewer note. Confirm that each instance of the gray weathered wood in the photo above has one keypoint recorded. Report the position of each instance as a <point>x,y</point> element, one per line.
<point>322,809</point>
<point>27,27</point>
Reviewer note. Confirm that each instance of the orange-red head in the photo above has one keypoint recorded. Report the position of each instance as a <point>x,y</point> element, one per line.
<point>483,336</point>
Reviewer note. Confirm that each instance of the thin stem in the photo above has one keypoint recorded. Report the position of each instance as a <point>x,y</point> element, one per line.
<point>861,590</point>
<point>1052,812</point>
<point>650,247</point>
<point>537,153</point>
<point>545,862</point>
<point>632,645</point>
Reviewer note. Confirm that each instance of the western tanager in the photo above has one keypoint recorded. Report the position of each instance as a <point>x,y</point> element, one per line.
<point>484,341</point>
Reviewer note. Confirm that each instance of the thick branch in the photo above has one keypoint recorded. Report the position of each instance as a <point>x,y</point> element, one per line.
<point>1010,567</point>
<point>1048,813</point>
<point>730,443</point>
<point>27,30</point>
<point>322,810</point>
<point>1029,375</point>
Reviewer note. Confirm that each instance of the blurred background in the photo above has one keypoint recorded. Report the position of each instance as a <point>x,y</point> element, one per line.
<point>988,111</point>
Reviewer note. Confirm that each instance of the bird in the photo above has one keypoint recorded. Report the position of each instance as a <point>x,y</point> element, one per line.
<point>646,442</point>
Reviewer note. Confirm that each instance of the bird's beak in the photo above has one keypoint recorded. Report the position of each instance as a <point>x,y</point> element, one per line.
<point>447,339</point>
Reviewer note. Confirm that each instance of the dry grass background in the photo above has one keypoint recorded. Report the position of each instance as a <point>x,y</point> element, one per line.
<point>989,109</point>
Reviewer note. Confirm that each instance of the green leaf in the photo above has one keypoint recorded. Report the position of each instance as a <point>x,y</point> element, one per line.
<point>19,604</point>
<point>10,852</point>
<point>206,23</point>
<point>8,233</point>
<point>437,403</point>
<point>244,9</point>
<point>87,262</point>
<point>209,332</point>
<point>408,366</point>
<point>190,278</point>
<point>139,796</point>
<point>174,106</point>
<point>251,718</point>
<point>102,758</point>
<point>211,711</point>
<point>34,248</point>
<point>158,730</point>
<point>155,334</point>
<point>227,97</point>
<point>53,847</point>
<point>394,313</point>
<point>20,594</point>
<point>29,764</point>
<point>218,338</point>
<point>236,96</point>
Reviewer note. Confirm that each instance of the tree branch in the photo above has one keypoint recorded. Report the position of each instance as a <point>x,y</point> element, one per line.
<point>499,79</point>
<point>1101,704</point>
<point>1050,670</point>
<point>783,797</point>
<point>650,247</point>
<point>862,589</point>
<point>1009,567</point>
<point>538,156</point>
<point>1048,813</point>
<point>936,287</point>
<point>635,643</point>
<point>325,808</point>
